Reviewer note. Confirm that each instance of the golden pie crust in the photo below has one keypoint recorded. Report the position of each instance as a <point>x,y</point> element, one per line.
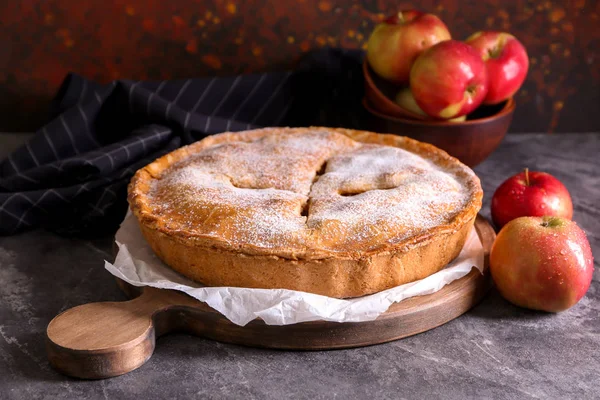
<point>337,212</point>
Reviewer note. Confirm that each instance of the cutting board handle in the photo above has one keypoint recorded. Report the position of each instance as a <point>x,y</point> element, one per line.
<point>100,340</point>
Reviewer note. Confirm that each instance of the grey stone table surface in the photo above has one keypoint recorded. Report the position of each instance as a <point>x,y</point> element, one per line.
<point>495,350</point>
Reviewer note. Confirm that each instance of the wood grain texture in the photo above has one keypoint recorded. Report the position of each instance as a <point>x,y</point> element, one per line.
<point>153,39</point>
<point>101,340</point>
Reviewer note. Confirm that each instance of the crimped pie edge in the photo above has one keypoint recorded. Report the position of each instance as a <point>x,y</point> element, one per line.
<point>141,182</point>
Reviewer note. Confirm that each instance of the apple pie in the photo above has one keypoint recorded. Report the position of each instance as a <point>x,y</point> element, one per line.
<point>337,212</point>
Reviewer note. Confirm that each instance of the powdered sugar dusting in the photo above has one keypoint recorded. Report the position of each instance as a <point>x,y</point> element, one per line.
<point>267,194</point>
<point>209,204</point>
<point>285,161</point>
<point>396,195</point>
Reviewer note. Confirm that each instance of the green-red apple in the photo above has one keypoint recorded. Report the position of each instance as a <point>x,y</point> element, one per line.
<point>449,80</point>
<point>542,263</point>
<point>399,39</point>
<point>406,100</point>
<point>506,60</point>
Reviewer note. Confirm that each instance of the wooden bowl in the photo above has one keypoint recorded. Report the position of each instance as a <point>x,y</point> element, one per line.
<point>471,141</point>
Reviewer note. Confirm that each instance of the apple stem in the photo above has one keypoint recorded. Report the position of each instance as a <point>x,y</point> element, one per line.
<point>527,176</point>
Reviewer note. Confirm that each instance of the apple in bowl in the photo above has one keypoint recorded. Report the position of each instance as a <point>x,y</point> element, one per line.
<point>406,100</point>
<point>506,60</point>
<point>395,43</point>
<point>542,263</point>
<point>449,80</point>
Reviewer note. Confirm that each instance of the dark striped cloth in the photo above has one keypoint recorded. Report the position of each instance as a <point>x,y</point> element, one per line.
<point>72,176</point>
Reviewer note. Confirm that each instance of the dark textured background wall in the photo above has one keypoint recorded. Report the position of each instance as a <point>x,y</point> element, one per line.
<point>41,40</point>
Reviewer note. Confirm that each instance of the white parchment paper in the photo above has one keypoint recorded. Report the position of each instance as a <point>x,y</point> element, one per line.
<point>136,264</point>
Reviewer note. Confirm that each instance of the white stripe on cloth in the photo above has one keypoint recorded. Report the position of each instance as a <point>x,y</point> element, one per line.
<point>128,155</point>
<point>128,171</point>
<point>187,120</point>
<point>112,161</point>
<point>179,94</point>
<point>82,188</point>
<point>71,138</point>
<point>87,124</point>
<point>254,89</point>
<point>204,93</point>
<point>33,157</point>
<point>97,205</point>
<point>182,91</point>
<point>275,92</point>
<point>12,163</point>
<point>19,219</point>
<point>18,173</point>
<point>284,112</point>
<point>131,88</point>
<point>198,102</point>
<point>149,100</point>
<point>224,99</point>
<point>85,118</point>
<point>139,139</point>
<point>45,133</point>
<point>36,204</point>
<point>83,90</point>
<point>207,125</point>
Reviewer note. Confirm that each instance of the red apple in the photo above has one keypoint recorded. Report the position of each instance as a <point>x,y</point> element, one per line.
<point>530,194</point>
<point>506,60</point>
<point>542,263</point>
<point>449,80</point>
<point>406,100</point>
<point>397,41</point>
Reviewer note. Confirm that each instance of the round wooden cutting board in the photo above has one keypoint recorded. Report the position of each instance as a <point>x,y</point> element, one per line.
<point>101,340</point>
